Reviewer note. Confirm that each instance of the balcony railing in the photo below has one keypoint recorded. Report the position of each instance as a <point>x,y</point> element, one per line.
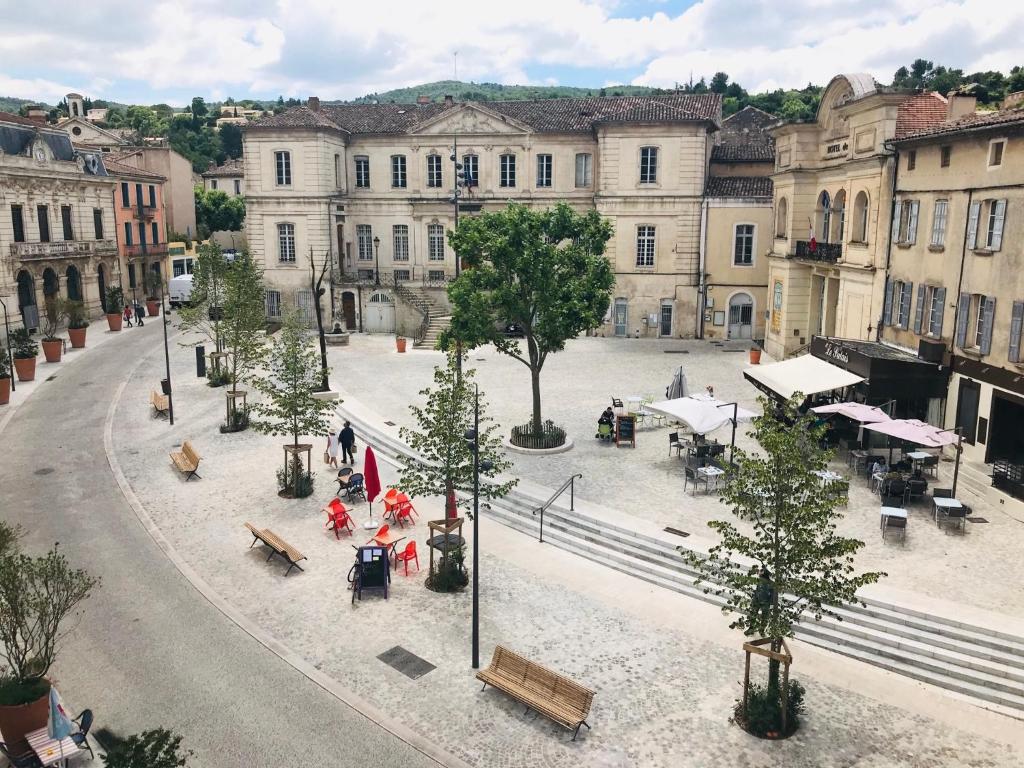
<point>415,275</point>
<point>64,249</point>
<point>827,252</point>
<point>152,249</point>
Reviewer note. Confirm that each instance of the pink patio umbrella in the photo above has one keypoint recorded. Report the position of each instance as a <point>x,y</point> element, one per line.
<point>921,433</point>
<point>371,478</point>
<point>865,414</point>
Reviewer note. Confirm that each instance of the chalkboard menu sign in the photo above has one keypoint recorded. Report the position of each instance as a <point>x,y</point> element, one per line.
<point>625,430</point>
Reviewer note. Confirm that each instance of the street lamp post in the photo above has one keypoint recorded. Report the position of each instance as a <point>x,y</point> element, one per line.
<point>473,438</point>
<point>376,249</point>
<point>10,354</point>
<point>167,353</point>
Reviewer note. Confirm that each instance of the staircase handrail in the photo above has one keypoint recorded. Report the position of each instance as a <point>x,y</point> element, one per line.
<point>423,308</point>
<point>571,485</point>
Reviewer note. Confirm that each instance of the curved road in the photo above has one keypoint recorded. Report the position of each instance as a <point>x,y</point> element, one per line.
<point>150,650</point>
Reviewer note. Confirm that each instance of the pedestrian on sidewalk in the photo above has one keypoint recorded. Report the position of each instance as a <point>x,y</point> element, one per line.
<point>127,316</point>
<point>331,454</point>
<point>348,444</point>
<point>138,316</point>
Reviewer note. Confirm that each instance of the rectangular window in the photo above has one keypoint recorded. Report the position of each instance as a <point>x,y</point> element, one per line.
<point>364,274</point>
<point>995,153</point>
<point>286,243</point>
<point>18,223</point>
<point>138,195</point>
<point>645,246</point>
<point>936,307</point>
<point>177,268</point>
<point>939,222</point>
<point>142,233</point>
<point>398,171</point>
<point>337,173</point>
<point>584,169</point>
<point>238,186</point>
<point>128,236</point>
<point>902,293</point>
<point>911,160</point>
<point>283,168</point>
<point>435,242</point>
<point>126,201</point>
<point>97,222</point>
<point>402,275</point>
<point>507,171</point>
<point>434,178</point>
<point>648,165</point>
<point>43,214</point>
<point>155,230</point>
<point>273,303</point>
<point>978,303</point>
<point>65,221</point>
<point>543,170</point>
<point>400,237</point>
<point>743,249</point>
<point>471,170</point>
<point>152,196</point>
<point>436,276</point>
<point>213,184</point>
<point>945,153</point>
<point>363,172</point>
<point>907,219</point>
<point>996,220</point>
<point>131,275</point>
<point>364,242</point>
<point>1016,326</point>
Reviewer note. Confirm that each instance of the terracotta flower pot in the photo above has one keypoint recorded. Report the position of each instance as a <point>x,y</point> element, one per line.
<point>26,368</point>
<point>52,350</point>
<point>77,336</point>
<point>755,356</point>
<point>152,307</point>
<point>400,344</point>
<point>114,321</point>
<point>5,390</point>
<point>16,721</point>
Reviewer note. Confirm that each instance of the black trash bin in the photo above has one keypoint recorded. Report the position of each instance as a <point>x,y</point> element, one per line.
<point>201,361</point>
<point>165,385</point>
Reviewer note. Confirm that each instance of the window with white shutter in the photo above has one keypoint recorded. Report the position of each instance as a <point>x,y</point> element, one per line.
<point>972,224</point>
<point>996,217</point>
<point>912,222</point>
<point>919,313</point>
<point>908,290</point>
<point>936,311</point>
<point>963,319</point>
<point>897,221</point>
<point>939,222</point>
<point>1016,321</point>
<point>988,314</point>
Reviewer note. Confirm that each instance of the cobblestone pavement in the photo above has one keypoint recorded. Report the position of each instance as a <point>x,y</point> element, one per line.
<point>665,670</point>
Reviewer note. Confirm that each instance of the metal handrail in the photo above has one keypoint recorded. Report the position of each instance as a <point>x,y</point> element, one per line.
<point>571,485</point>
<point>423,309</point>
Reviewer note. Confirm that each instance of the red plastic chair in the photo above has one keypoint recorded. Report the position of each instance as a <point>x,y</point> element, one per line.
<point>389,499</point>
<point>409,553</point>
<point>404,501</point>
<point>338,518</point>
<point>381,532</point>
<point>404,512</point>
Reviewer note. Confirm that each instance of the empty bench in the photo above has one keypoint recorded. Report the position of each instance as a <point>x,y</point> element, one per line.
<point>186,460</point>
<point>160,403</point>
<point>277,545</point>
<point>553,695</point>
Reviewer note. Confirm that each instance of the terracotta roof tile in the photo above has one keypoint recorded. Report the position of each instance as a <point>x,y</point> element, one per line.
<point>8,117</point>
<point>228,168</point>
<point>920,112</point>
<point>116,168</point>
<point>739,186</point>
<point>978,121</point>
<point>745,138</point>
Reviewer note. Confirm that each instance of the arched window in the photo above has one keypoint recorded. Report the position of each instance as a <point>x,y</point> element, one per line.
<point>286,243</point>
<point>824,217</point>
<point>73,280</point>
<point>838,217</point>
<point>781,218</point>
<point>860,217</point>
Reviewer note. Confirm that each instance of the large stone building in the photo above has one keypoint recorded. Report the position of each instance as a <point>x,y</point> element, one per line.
<point>369,187</point>
<point>56,221</point>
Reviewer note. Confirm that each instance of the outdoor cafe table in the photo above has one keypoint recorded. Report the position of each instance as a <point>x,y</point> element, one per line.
<point>828,476</point>
<point>51,751</point>
<point>389,540</point>
<point>711,474</point>
<point>943,503</point>
<point>888,512</point>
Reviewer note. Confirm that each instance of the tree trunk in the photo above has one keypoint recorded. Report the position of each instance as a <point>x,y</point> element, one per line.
<point>450,510</point>
<point>535,382</point>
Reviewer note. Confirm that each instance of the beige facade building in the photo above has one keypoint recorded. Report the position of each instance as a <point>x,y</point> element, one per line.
<point>370,187</point>
<point>228,177</point>
<point>57,226</point>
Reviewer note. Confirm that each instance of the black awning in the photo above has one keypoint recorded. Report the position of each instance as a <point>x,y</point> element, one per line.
<point>889,373</point>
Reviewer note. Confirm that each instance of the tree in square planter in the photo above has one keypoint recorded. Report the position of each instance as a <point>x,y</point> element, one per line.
<point>25,350</point>
<point>245,315</point>
<point>53,345</point>
<point>115,307</point>
<point>154,283</point>
<point>75,317</point>
<point>37,596</point>
<point>5,376</point>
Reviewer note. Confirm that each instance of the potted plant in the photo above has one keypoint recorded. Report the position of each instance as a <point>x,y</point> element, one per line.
<point>755,354</point>
<point>400,343</point>
<point>153,284</point>
<point>115,305</point>
<point>25,350</point>
<point>74,313</point>
<point>53,345</point>
<point>36,595</point>
<point>5,377</point>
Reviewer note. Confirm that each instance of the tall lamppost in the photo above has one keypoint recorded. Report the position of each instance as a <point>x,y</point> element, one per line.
<point>473,438</point>
<point>167,353</point>
<point>10,354</point>
<point>376,251</point>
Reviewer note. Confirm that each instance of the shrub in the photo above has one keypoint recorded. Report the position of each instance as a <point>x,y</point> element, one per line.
<point>115,300</point>
<point>764,714</point>
<point>23,345</point>
<point>52,312</point>
<point>303,486</point>
<point>218,377</point>
<point>158,748</point>
<point>5,364</point>
<point>450,574</point>
<point>74,312</point>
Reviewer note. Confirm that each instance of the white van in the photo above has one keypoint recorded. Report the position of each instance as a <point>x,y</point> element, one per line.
<point>179,290</point>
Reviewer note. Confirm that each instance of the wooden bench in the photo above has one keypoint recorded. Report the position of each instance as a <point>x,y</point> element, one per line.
<point>278,546</point>
<point>186,460</point>
<point>160,403</point>
<point>553,695</point>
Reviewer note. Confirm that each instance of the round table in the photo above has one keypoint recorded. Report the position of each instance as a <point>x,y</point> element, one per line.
<point>445,541</point>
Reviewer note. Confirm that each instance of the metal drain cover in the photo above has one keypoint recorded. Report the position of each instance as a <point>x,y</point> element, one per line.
<point>390,423</point>
<point>44,471</point>
<point>976,520</point>
<point>409,664</point>
<point>51,378</point>
<point>676,531</point>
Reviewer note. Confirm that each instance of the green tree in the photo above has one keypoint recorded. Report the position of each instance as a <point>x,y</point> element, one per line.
<point>793,560</point>
<point>231,140</point>
<point>158,748</point>
<point>720,82</point>
<point>204,315</point>
<point>443,462</point>
<point>216,211</point>
<point>544,271</point>
<point>199,111</point>
<point>289,384</point>
<point>244,318</point>
<point>144,122</point>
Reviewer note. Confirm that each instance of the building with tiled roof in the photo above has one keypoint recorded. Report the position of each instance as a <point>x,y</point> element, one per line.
<point>228,177</point>
<point>921,112</point>
<point>739,186</point>
<point>371,185</point>
<point>745,138</point>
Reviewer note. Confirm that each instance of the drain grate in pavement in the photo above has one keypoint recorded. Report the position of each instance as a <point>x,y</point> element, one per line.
<point>409,664</point>
<point>677,532</point>
<point>676,351</point>
<point>390,423</point>
<point>976,520</point>
<point>44,471</point>
<point>51,378</point>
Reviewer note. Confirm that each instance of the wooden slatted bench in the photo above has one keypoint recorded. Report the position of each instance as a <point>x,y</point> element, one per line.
<point>277,545</point>
<point>160,403</point>
<point>539,688</point>
<point>186,460</point>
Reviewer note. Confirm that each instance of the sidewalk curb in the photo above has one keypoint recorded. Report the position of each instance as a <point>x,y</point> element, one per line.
<point>268,641</point>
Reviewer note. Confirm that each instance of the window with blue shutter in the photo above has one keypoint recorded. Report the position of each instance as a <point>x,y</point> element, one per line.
<point>912,222</point>
<point>1016,321</point>
<point>940,299</point>
<point>896,220</point>
<point>988,314</point>
<point>963,317</point>
<point>972,225</point>
<point>887,310</point>
<point>908,292</point>
<point>995,230</point>
<point>919,313</point>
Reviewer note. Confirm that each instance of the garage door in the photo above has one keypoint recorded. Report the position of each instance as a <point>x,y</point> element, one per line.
<point>380,314</point>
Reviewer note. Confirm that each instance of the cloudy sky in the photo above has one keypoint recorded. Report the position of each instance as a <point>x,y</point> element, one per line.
<point>169,50</point>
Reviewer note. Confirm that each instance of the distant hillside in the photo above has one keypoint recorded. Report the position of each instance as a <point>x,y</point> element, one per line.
<point>498,92</point>
<point>12,104</point>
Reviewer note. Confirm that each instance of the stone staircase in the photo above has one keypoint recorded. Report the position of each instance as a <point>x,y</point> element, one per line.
<point>437,318</point>
<point>983,664</point>
<point>436,326</point>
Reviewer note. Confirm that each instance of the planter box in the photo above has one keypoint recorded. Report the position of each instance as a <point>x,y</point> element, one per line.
<point>114,322</point>
<point>26,368</point>
<point>16,721</point>
<point>53,349</point>
<point>77,336</point>
<point>152,308</point>
<point>5,391</point>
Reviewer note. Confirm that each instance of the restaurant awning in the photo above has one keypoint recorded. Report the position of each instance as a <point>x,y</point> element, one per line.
<point>805,374</point>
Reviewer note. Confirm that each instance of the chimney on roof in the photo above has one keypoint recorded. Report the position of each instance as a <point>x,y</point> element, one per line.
<point>1013,100</point>
<point>960,104</point>
<point>422,99</point>
<point>36,113</point>
<point>449,100</point>
<point>313,102</point>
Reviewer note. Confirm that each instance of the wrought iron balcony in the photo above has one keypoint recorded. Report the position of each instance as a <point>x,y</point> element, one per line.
<point>389,277</point>
<point>152,249</point>
<point>64,249</point>
<point>826,252</point>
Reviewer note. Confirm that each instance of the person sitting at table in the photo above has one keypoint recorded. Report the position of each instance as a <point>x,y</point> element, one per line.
<point>880,467</point>
<point>608,417</point>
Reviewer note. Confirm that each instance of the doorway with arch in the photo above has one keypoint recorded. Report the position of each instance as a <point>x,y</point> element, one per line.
<point>741,316</point>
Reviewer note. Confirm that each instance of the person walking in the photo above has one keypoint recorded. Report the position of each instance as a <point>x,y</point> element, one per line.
<point>138,315</point>
<point>348,444</point>
<point>127,316</point>
<point>331,454</point>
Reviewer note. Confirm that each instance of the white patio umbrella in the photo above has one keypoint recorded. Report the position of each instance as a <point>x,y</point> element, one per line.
<point>678,388</point>
<point>703,414</point>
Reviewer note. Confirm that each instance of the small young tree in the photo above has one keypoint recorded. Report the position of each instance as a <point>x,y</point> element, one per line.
<point>290,408</point>
<point>205,313</point>
<point>158,748</point>
<point>797,561</point>
<point>544,271</point>
<point>244,318</point>
<point>447,461</point>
